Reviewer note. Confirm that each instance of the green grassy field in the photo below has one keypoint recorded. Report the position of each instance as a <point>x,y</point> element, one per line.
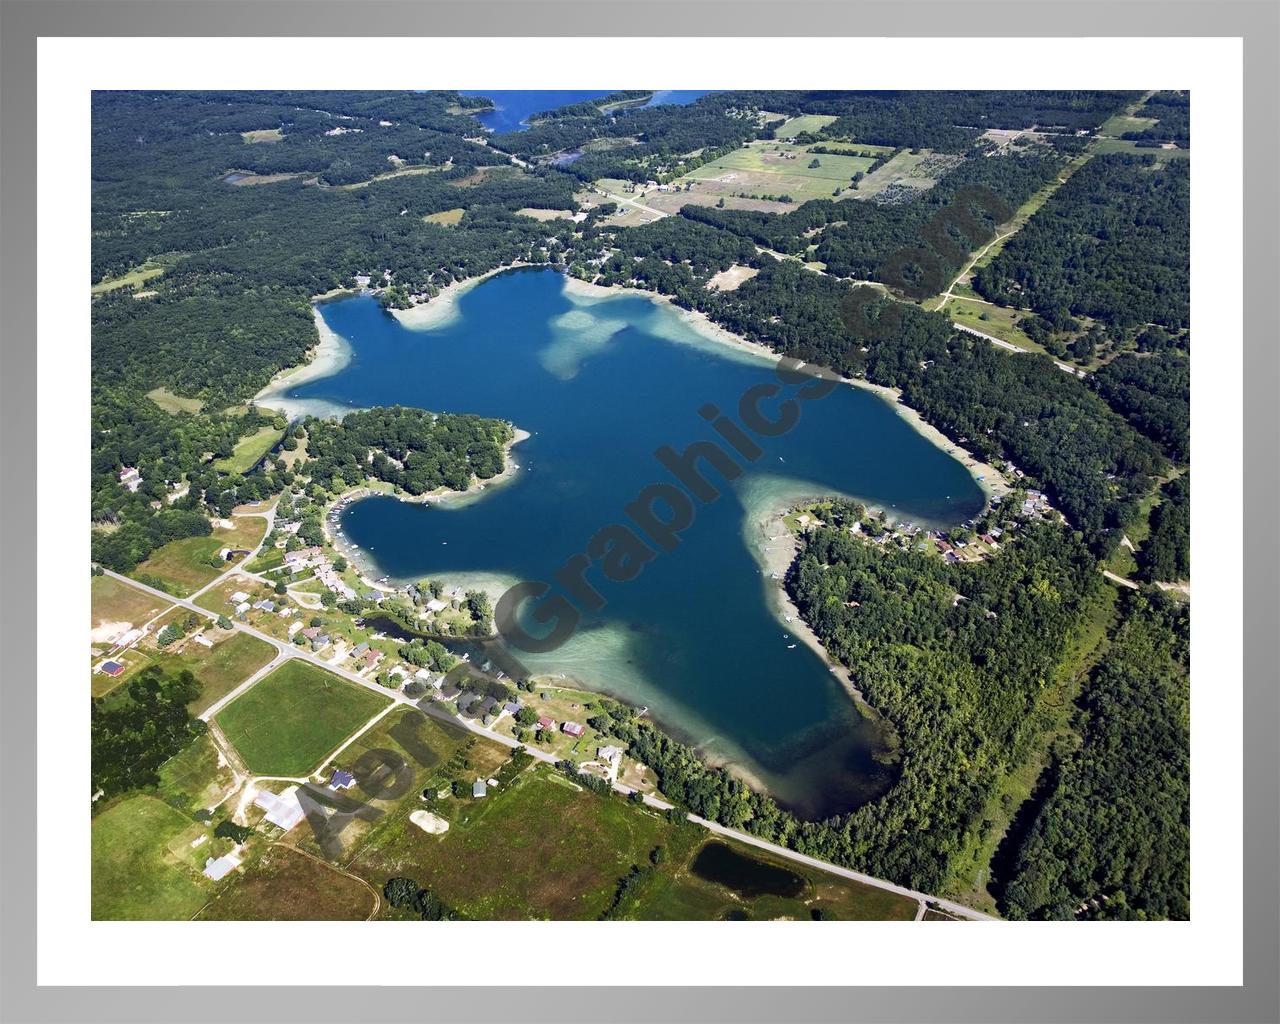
<point>249,450</point>
<point>772,168</point>
<point>183,565</point>
<point>290,719</point>
<point>267,135</point>
<point>135,875</point>
<point>997,321</point>
<point>220,668</point>
<point>134,278</point>
<point>803,123</point>
<point>192,779</point>
<point>1116,125</point>
<point>446,218</point>
<point>1132,148</point>
<point>285,885</point>
<point>174,404</point>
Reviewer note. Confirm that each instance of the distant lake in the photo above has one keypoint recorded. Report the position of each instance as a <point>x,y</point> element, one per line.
<point>601,383</point>
<point>514,107</point>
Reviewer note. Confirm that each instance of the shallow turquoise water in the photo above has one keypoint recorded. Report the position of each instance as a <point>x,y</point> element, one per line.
<point>600,384</point>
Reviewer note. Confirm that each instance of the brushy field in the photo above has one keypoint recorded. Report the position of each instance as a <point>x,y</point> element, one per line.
<point>135,875</point>
<point>285,885</point>
<point>291,718</point>
<point>546,847</point>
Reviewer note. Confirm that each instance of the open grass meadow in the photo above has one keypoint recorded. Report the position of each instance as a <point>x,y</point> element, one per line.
<point>193,779</point>
<point>183,566</point>
<point>445,218</point>
<point>1133,149</point>
<point>249,450</point>
<point>427,752</point>
<point>173,403</point>
<point>113,603</point>
<point>286,885</point>
<point>794,126</point>
<point>220,668</point>
<point>997,321</point>
<point>776,169</point>
<point>293,717</point>
<point>136,875</point>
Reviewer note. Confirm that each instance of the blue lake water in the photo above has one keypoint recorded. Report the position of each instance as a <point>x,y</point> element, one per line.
<point>514,107</point>
<point>601,382</point>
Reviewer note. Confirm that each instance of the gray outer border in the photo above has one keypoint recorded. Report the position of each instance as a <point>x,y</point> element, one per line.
<point>1257,22</point>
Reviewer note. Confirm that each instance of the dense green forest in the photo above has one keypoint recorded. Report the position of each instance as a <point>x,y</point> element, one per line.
<point>858,239</point>
<point>1153,392</point>
<point>131,739</point>
<point>954,656</point>
<point>1172,111</point>
<point>413,449</point>
<point>1112,838</point>
<point>1166,553</point>
<point>1113,244</point>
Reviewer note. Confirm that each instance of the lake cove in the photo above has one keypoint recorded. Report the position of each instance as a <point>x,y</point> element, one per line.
<point>512,108</point>
<point>601,382</point>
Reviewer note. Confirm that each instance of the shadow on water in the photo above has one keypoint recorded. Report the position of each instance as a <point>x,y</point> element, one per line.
<point>720,863</point>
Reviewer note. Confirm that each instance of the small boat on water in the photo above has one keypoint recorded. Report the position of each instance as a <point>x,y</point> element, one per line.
<point>791,647</point>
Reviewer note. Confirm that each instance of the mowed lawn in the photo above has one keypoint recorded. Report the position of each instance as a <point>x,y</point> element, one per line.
<point>220,668</point>
<point>291,718</point>
<point>249,450</point>
<point>183,566</point>
<point>135,876</point>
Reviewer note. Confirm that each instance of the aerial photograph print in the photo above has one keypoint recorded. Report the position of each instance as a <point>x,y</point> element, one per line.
<point>664,505</point>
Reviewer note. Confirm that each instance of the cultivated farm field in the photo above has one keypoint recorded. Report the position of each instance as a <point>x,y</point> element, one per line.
<point>291,718</point>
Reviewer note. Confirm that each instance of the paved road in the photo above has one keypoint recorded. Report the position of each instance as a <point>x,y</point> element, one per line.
<point>1075,371</point>
<point>1120,579</point>
<point>286,651</point>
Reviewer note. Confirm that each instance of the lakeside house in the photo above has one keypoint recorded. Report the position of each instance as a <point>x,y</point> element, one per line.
<point>572,729</point>
<point>479,789</point>
<point>546,723</point>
